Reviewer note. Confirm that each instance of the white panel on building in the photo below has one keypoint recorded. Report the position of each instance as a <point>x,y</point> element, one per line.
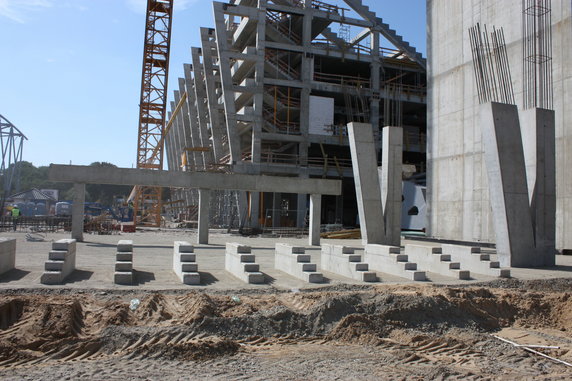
<point>321,115</point>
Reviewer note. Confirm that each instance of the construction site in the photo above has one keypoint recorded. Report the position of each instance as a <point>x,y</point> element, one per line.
<point>314,199</point>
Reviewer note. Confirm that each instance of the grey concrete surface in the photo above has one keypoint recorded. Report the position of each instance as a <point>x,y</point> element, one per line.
<point>7,254</point>
<point>61,262</point>
<point>294,261</point>
<point>344,261</point>
<point>185,263</point>
<point>96,257</point>
<point>432,259</point>
<point>389,259</point>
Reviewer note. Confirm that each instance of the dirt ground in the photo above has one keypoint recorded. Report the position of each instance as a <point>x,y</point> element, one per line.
<point>341,332</point>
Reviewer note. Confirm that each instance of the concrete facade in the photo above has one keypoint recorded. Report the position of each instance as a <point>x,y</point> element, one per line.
<point>459,206</point>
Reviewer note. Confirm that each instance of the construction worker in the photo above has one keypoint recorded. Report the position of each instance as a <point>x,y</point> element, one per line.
<point>15,216</point>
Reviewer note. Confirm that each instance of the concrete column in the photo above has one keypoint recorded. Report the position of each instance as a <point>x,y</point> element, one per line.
<point>78,211</point>
<point>301,210</point>
<point>508,191</point>
<point>390,175</point>
<point>204,205</point>
<point>276,199</point>
<point>375,83</point>
<point>315,217</point>
<point>368,192</point>
<point>538,140</point>
<point>254,209</point>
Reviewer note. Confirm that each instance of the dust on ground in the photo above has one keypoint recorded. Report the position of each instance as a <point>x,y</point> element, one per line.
<point>409,332</point>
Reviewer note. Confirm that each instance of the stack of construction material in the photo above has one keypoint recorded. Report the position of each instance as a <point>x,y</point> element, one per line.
<point>343,261</point>
<point>240,262</point>
<point>124,263</point>
<point>184,263</point>
<point>293,260</point>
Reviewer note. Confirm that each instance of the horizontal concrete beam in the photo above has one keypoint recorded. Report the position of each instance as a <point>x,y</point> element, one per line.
<point>197,180</point>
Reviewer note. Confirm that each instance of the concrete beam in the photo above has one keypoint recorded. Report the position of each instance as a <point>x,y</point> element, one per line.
<point>196,180</point>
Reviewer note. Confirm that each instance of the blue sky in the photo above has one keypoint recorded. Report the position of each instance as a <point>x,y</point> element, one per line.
<point>70,70</point>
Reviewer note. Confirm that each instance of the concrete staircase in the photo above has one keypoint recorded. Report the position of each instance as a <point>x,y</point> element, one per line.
<point>241,263</point>
<point>390,34</point>
<point>294,261</point>
<point>389,260</point>
<point>432,259</point>
<point>471,257</point>
<point>60,263</point>
<point>184,263</point>
<point>342,260</point>
<point>124,263</point>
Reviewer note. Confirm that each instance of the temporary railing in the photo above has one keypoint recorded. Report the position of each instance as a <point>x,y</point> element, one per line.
<point>276,20</point>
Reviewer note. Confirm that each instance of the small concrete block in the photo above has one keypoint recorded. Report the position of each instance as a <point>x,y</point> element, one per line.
<point>192,278</point>
<point>251,267</point>
<point>418,275</point>
<point>354,258</point>
<point>454,265</point>
<point>368,276</point>
<point>184,247</point>
<point>187,257</point>
<point>247,258</point>
<point>255,278</point>
<point>123,277</point>
<point>64,244</point>
<point>57,255</point>
<point>52,277</point>
<point>126,256</point>
<point>495,265</point>
<point>303,258</point>
<point>125,245</point>
<point>54,265</point>
<point>310,267</point>
<point>484,257</point>
<point>504,273</point>
<point>289,249</point>
<point>410,266</point>
<point>123,266</point>
<point>401,258</point>
<point>314,277</point>
<point>237,248</point>
<point>444,257</point>
<point>343,250</point>
<point>464,274</point>
<point>188,267</point>
<point>360,266</point>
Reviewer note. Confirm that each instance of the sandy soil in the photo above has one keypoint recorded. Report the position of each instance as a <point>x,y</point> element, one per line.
<point>409,332</point>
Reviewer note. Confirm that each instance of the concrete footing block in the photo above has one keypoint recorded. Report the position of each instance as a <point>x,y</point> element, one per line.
<point>124,263</point>
<point>471,258</point>
<point>293,261</point>
<point>184,263</point>
<point>238,261</point>
<point>60,263</point>
<point>389,260</point>
<point>432,259</point>
<point>7,254</point>
<point>343,261</point>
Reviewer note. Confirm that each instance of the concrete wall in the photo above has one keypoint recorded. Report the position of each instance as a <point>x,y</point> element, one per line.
<point>457,190</point>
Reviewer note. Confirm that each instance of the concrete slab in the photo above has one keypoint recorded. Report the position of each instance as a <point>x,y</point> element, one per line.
<point>389,260</point>
<point>341,260</point>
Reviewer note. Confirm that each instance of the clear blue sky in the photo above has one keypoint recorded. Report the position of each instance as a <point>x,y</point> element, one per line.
<point>70,70</point>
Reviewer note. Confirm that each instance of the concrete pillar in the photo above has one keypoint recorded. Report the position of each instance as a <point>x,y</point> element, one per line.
<point>276,201</point>
<point>368,193</point>
<point>78,211</point>
<point>508,190</point>
<point>538,140</point>
<point>301,210</point>
<point>315,217</point>
<point>204,205</point>
<point>375,67</point>
<point>254,209</point>
<point>390,175</point>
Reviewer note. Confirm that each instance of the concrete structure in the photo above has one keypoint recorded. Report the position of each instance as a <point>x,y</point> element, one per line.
<point>390,260</point>
<point>124,263</point>
<point>432,259</point>
<point>185,263</point>
<point>7,254</point>
<point>343,261</point>
<point>60,263</point>
<point>271,89</point>
<point>457,187</point>
<point>240,262</point>
<point>205,181</point>
<point>293,260</point>
<point>470,257</point>
<point>78,211</point>
<point>378,190</point>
